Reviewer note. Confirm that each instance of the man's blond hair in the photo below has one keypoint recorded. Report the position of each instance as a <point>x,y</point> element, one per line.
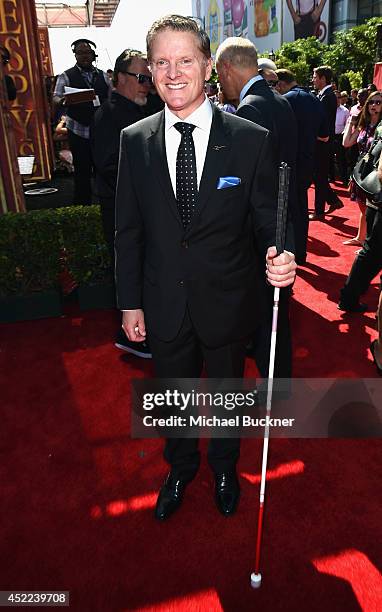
<point>239,52</point>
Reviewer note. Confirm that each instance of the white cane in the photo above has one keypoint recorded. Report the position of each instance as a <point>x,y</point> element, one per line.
<point>282,207</point>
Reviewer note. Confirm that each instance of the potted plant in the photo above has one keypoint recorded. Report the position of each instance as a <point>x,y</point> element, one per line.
<point>87,256</point>
<point>29,265</point>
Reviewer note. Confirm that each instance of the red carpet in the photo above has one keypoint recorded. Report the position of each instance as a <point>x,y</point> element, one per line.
<point>78,493</point>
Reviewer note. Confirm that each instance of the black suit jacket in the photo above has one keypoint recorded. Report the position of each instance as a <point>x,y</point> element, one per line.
<point>267,108</point>
<point>312,123</point>
<point>211,267</point>
<point>329,103</point>
<point>270,110</point>
<point>105,133</point>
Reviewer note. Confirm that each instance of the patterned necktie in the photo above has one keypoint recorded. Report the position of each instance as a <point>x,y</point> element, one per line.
<point>186,177</point>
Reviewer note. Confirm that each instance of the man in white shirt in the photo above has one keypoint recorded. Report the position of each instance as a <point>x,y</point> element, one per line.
<point>342,116</point>
<point>194,212</point>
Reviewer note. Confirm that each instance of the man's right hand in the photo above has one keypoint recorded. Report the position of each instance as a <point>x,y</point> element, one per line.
<point>133,323</point>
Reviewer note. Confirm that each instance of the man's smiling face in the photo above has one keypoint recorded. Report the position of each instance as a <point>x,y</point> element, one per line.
<point>179,69</point>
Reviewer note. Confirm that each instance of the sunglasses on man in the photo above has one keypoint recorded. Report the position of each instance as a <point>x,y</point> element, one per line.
<point>141,78</point>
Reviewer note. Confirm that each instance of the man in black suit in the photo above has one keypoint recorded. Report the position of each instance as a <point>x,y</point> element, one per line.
<point>193,213</point>
<point>312,126</point>
<point>132,83</point>
<point>236,65</point>
<point>237,68</point>
<point>322,81</point>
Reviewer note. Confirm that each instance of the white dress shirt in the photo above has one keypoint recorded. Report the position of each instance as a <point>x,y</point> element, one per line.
<point>202,119</point>
<point>341,118</point>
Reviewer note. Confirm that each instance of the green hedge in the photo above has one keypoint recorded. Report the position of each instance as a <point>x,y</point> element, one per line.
<point>87,255</point>
<point>32,245</point>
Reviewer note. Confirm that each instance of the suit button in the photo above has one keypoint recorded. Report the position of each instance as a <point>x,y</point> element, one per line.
<point>181,283</point>
<point>184,244</point>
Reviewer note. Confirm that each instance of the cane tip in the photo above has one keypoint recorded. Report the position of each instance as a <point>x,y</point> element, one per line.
<point>255,580</point>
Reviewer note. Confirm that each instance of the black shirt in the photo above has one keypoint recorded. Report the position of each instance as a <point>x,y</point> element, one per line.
<point>114,115</point>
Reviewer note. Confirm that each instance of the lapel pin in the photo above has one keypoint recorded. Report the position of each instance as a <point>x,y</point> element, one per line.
<point>218,147</point>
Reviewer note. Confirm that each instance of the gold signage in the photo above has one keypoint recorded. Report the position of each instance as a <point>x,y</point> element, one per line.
<point>29,112</point>
<point>46,58</point>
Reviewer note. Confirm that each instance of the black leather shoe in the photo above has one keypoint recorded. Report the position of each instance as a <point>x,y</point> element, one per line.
<point>315,217</point>
<point>170,497</point>
<point>357,307</point>
<point>227,492</point>
<point>335,206</point>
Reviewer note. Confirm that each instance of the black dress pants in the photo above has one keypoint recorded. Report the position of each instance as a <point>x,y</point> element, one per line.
<point>368,262</point>
<point>184,357</point>
<point>82,162</point>
<point>340,153</point>
<point>323,191</point>
<point>301,217</point>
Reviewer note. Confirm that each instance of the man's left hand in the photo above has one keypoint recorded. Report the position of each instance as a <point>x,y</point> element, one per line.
<point>280,269</point>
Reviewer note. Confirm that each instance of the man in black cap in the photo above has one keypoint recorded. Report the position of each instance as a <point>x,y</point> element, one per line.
<point>84,75</point>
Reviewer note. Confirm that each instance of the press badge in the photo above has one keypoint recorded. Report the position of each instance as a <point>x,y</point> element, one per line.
<point>96,101</point>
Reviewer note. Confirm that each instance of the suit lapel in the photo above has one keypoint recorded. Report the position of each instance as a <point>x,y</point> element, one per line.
<point>158,162</point>
<point>217,157</point>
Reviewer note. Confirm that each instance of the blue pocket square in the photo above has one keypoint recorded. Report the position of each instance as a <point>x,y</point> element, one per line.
<point>228,181</point>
